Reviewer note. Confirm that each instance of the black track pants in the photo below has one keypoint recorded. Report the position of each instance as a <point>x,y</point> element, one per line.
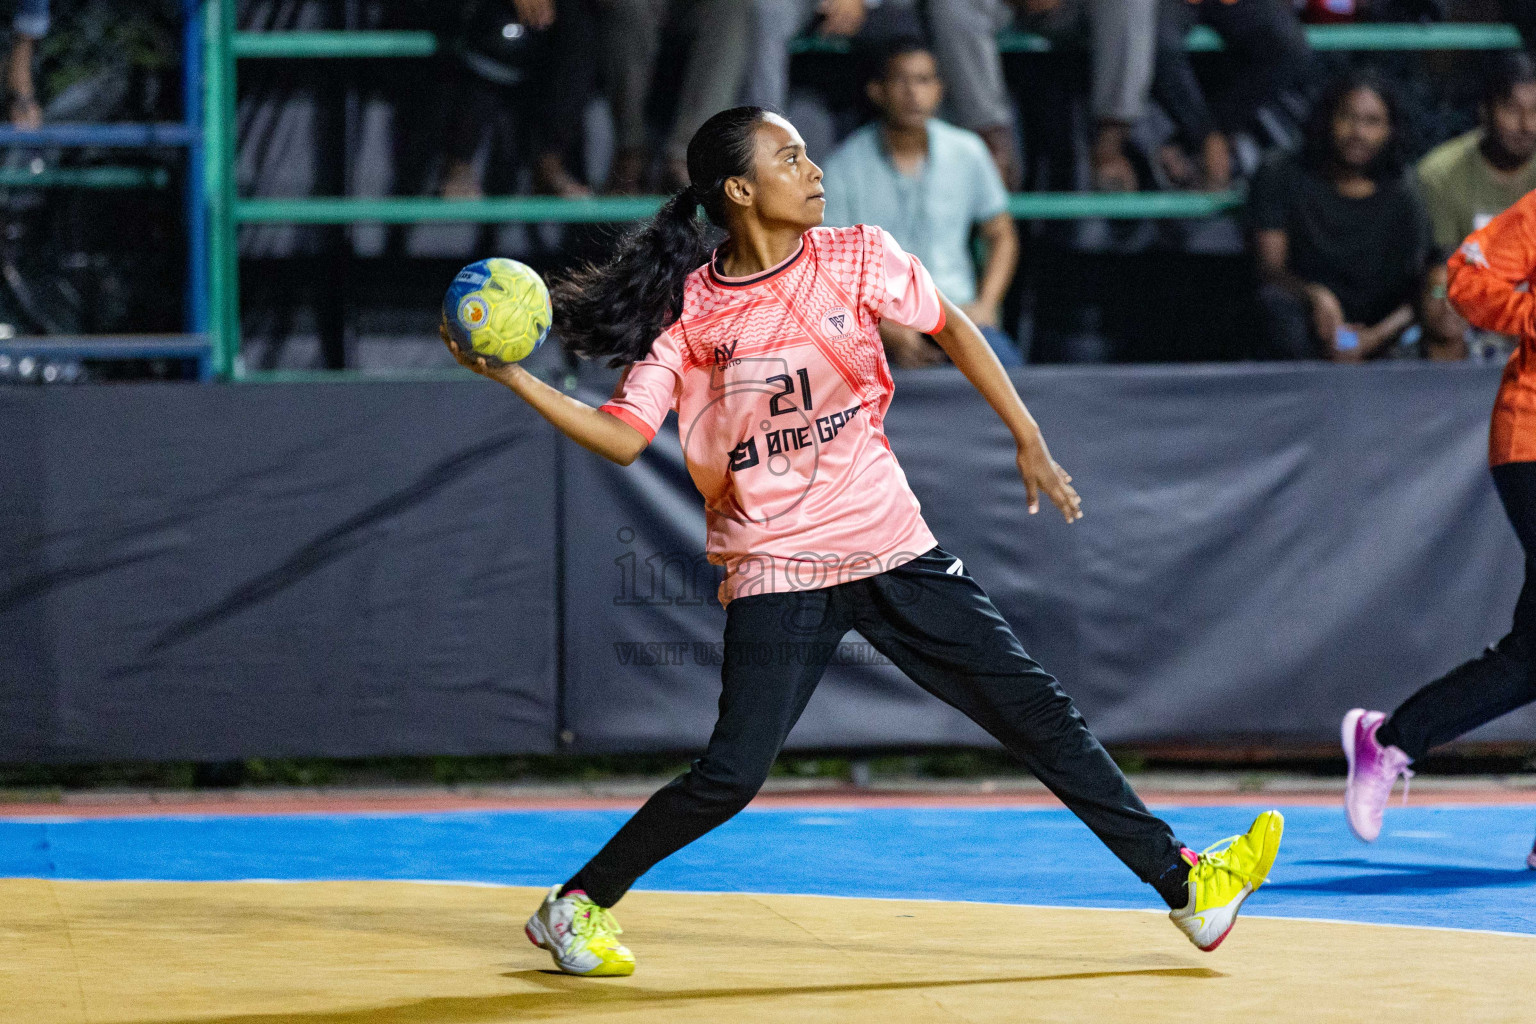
<point>942,630</point>
<point>1499,680</point>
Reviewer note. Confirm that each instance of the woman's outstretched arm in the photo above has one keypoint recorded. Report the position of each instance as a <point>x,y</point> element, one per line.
<point>593,429</point>
<point>969,351</point>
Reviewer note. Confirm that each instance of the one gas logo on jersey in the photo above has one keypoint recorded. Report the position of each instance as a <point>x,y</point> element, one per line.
<point>836,323</point>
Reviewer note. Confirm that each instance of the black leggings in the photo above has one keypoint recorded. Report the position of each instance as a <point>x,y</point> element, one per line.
<point>942,630</point>
<point>1501,679</point>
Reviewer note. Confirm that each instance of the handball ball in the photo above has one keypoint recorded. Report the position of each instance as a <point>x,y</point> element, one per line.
<point>498,308</point>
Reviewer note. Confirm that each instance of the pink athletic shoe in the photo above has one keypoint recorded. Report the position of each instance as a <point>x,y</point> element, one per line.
<point>1373,770</point>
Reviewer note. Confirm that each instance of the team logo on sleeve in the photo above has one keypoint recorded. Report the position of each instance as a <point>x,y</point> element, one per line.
<point>1473,254</point>
<point>836,323</point>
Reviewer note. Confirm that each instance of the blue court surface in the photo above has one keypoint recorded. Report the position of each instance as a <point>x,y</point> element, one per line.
<point>1441,866</point>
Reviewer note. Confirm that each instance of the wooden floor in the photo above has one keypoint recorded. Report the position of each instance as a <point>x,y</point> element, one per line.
<point>403,953</point>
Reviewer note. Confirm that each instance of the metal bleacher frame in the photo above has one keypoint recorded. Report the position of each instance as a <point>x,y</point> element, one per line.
<point>227,210</point>
<point>187,134</point>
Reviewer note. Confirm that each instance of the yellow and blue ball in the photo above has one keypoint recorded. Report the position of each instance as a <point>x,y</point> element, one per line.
<point>498,308</point>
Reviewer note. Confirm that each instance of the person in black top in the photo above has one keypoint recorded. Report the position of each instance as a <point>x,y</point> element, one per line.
<point>1341,237</point>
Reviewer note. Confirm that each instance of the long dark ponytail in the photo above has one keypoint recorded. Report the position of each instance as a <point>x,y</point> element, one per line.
<point>616,309</point>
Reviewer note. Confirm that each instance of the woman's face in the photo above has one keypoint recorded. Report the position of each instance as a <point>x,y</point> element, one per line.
<point>785,188</point>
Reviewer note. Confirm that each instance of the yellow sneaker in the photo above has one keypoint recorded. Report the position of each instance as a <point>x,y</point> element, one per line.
<point>580,935</point>
<point>1221,879</point>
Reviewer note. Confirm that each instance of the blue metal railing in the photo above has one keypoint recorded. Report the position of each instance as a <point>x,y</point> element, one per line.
<point>185,134</point>
<point>116,134</point>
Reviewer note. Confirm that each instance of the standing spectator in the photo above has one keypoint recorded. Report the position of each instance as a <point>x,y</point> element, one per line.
<point>1470,180</point>
<point>501,71</point>
<point>965,45</point>
<point>1119,35</point>
<point>1265,45</point>
<point>1340,234</point>
<point>29,26</point>
<point>572,76</point>
<point>929,184</point>
<point>775,23</point>
<point>718,31</point>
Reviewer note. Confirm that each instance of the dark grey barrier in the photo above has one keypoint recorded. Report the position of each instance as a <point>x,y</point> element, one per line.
<point>351,570</point>
<point>220,572</point>
<point>1264,547</point>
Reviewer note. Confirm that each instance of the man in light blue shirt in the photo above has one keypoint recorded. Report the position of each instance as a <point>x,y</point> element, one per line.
<point>929,184</point>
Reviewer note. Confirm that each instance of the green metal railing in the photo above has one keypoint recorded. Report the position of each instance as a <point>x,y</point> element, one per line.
<point>546,209</point>
<point>429,209</point>
<point>227,211</point>
<point>1448,36</point>
<point>220,185</point>
<point>333,44</point>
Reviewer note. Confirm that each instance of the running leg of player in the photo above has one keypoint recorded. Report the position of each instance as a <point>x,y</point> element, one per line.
<point>940,628</point>
<point>1380,748</point>
<point>776,648</point>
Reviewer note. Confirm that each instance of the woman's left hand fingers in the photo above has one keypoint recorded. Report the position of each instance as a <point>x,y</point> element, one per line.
<point>1065,495</point>
<point>1046,475</point>
<point>1067,500</point>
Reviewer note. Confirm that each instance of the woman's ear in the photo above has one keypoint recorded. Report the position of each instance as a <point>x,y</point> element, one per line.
<point>739,191</point>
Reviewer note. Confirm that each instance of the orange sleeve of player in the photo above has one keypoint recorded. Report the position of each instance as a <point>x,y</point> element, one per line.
<point>1485,274</point>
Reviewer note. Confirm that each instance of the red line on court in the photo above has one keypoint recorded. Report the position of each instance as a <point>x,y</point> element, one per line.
<point>850,799</point>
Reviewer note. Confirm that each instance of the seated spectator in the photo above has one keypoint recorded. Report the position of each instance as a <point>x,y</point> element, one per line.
<point>1340,234</point>
<point>1263,42</point>
<point>965,45</point>
<point>1468,181</point>
<point>30,25</point>
<point>929,184</point>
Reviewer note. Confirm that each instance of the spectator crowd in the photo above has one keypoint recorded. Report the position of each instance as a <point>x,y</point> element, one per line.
<point>921,131</point>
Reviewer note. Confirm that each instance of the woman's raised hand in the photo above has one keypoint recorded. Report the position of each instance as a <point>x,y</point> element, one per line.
<point>469,359</point>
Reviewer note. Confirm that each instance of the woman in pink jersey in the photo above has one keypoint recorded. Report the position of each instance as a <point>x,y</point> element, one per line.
<point>768,349</point>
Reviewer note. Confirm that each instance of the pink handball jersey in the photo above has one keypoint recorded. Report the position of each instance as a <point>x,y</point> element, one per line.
<point>780,385</point>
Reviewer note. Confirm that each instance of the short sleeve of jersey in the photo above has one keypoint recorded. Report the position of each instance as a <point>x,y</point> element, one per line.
<point>648,389</point>
<point>895,285</point>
